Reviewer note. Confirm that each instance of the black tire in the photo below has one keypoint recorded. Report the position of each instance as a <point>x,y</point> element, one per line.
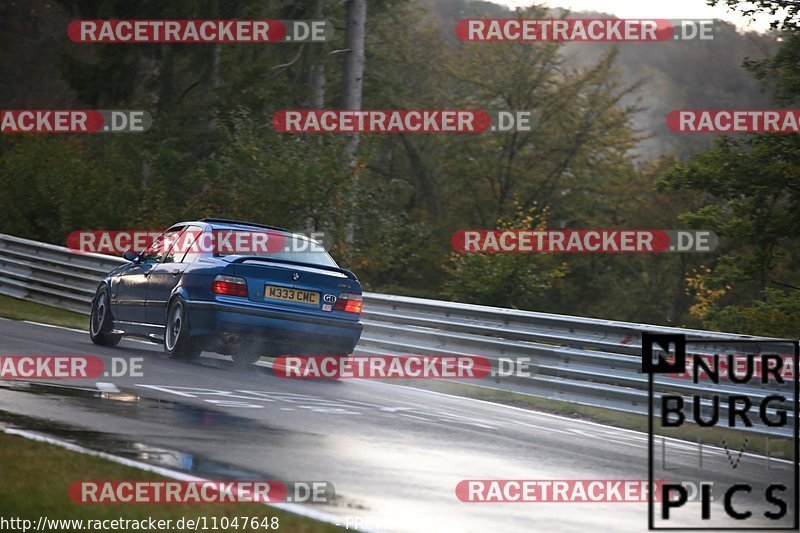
<point>100,321</point>
<point>177,342</point>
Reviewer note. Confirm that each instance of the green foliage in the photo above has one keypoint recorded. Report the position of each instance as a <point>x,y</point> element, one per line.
<point>777,315</point>
<point>750,192</point>
<point>504,279</point>
<point>787,11</point>
<point>52,187</point>
<point>781,70</point>
<point>212,151</point>
<point>751,185</point>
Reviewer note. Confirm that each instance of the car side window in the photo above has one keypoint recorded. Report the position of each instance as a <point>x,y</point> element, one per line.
<point>189,237</point>
<point>156,252</point>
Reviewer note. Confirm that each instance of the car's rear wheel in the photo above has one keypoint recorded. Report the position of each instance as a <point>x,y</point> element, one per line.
<point>100,322</point>
<point>177,342</point>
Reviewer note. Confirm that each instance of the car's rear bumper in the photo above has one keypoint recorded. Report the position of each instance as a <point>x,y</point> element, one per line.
<point>290,332</point>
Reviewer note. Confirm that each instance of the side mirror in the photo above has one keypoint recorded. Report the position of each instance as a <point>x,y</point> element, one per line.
<point>131,256</point>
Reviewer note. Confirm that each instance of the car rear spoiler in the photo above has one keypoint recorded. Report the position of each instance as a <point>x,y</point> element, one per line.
<point>344,271</point>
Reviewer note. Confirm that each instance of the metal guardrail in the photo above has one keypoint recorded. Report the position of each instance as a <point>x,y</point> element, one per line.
<point>580,360</point>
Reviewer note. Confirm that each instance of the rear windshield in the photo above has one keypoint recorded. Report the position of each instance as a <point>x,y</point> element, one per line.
<point>277,246</point>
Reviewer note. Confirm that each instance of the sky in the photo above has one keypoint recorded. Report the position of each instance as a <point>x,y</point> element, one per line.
<point>667,9</point>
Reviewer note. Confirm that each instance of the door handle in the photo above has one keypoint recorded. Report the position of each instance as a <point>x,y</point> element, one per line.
<point>175,272</point>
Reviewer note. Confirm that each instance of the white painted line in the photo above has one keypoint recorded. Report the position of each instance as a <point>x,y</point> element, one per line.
<point>143,341</point>
<point>54,326</point>
<point>417,417</point>
<point>166,472</point>
<point>542,428</point>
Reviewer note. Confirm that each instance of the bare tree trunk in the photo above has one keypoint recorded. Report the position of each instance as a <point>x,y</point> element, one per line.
<point>317,74</point>
<point>213,82</point>
<point>318,86</point>
<point>353,75</point>
<point>354,61</point>
<point>352,82</point>
<point>316,82</point>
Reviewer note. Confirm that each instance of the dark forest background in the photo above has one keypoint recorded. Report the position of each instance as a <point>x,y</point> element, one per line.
<point>601,157</point>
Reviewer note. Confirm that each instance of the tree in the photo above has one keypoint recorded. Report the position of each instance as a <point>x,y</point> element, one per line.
<point>353,71</point>
<point>751,190</point>
<point>787,12</point>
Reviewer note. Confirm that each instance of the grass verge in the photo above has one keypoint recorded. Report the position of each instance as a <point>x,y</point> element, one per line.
<point>18,309</point>
<point>37,475</point>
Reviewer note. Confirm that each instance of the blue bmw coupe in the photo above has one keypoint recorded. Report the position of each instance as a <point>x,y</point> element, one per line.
<point>201,287</point>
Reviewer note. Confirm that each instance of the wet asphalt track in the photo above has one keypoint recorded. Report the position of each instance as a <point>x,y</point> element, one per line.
<point>394,454</point>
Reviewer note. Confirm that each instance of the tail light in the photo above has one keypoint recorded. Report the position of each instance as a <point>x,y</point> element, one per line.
<point>350,303</point>
<point>229,286</point>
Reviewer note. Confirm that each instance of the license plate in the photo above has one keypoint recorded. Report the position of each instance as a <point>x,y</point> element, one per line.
<point>291,295</point>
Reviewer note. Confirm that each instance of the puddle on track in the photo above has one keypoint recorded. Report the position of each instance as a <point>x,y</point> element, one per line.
<point>149,409</point>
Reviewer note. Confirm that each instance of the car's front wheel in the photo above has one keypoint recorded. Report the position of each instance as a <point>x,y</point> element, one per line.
<point>100,322</point>
<point>177,342</point>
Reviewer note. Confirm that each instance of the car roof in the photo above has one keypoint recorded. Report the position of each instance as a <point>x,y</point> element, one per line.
<point>224,223</point>
<point>216,222</point>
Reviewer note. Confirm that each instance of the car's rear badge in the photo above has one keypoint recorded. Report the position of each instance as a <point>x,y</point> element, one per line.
<point>295,276</point>
<point>329,298</point>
